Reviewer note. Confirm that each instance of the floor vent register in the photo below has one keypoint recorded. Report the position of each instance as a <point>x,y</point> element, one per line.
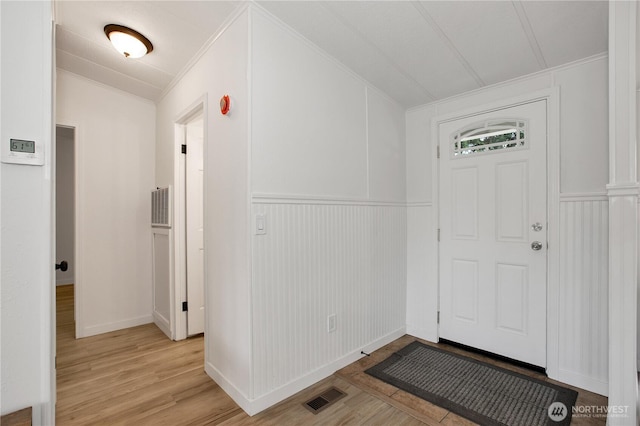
<point>324,400</point>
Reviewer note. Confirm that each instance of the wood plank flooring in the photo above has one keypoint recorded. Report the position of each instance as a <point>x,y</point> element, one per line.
<point>138,376</point>
<point>133,376</point>
<point>18,418</point>
<point>432,414</point>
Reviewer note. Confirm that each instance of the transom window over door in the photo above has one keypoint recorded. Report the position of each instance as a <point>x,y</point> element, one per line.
<point>488,136</point>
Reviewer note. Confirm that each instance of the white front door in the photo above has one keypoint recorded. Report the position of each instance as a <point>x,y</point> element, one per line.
<point>195,225</point>
<point>493,232</point>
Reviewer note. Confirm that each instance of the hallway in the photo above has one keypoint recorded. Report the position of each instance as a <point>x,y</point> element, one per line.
<point>132,376</point>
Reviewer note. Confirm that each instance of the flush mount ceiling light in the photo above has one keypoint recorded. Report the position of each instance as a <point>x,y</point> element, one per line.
<point>129,42</point>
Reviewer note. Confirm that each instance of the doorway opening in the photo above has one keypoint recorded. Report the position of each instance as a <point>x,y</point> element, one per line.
<point>493,221</point>
<point>186,276</point>
<point>65,228</point>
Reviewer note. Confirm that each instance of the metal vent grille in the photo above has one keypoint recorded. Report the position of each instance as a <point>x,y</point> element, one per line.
<point>325,399</point>
<point>161,207</point>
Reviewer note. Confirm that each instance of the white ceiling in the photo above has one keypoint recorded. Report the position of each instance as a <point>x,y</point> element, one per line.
<point>415,51</point>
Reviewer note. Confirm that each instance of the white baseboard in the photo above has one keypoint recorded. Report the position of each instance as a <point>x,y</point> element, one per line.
<point>65,281</point>
<point>237,395</point>
<point>43,414</point>
<point>163,324</point>
<point>582,381</point>
<point>114,326</point>
<point>254,406</point>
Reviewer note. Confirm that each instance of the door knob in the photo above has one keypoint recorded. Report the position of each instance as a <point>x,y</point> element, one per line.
<point>63,266</point>
<point>536,245</point>
<point>537,227</point>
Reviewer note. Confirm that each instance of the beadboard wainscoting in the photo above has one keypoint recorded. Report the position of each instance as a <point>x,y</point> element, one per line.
<point>321,266</point>
<point>583,314</point>
<point>583,286</point>
<point>162,283</point>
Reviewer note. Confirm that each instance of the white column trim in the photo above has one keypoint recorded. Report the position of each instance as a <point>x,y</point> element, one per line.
<point>622,192</point>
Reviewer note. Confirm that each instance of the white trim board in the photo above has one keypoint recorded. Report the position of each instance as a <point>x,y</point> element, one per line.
<point>586,196</point>
<point>162,323</point>
<point>311,199</point>
<point>419,204</point>
<point>114,326</point>
<point>254,406</point>
<point>260,198</point>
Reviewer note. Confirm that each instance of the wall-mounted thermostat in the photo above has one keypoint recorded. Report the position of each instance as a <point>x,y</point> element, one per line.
<point>21,151</point>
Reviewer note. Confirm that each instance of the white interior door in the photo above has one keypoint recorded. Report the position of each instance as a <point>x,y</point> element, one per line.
<point>195,225</point>
<point>493,232</point>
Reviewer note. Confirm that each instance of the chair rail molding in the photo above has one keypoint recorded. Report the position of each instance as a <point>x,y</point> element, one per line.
<point>623,213</point>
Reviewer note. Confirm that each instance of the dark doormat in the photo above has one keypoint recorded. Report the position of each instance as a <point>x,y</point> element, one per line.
<point>483,393</point>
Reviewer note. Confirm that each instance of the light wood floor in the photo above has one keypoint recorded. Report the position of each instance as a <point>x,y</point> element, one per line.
<point>138,376</point>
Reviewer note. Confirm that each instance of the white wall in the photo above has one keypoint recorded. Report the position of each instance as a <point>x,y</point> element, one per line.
<point>422,250</point>
<point>287,138</point>
<point>221,70</point>
<point>583,125</point>
<point>328,171</point>
<point>65,204</point>
<point>583,94</point>
<point>115,167</point>
<point>26,212</point>
<point>319,130</point>
<point>584,133</point>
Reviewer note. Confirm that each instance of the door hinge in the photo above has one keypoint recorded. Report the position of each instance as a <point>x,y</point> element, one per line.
<point>185,306</point>
<point>438,234</point>
<point>184,148</point>
<point>438,151</point>
<point>438,319</point>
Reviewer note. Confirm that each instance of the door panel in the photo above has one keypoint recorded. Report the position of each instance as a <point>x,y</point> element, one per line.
<point>492,189</point>
<point>195,225</point>
<point>465,203</point>
<point>512,297</point>
<point>465,287</point>
<point>511,201</point>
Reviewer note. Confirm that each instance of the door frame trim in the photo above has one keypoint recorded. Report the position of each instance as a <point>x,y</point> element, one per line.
<point>552,98</point>
<point>179,280</point>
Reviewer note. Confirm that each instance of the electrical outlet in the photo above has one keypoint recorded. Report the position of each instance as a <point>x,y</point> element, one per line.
<point>332,323</point>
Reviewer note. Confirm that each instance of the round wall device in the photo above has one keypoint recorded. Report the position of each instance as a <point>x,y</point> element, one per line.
<point>225,104</point>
